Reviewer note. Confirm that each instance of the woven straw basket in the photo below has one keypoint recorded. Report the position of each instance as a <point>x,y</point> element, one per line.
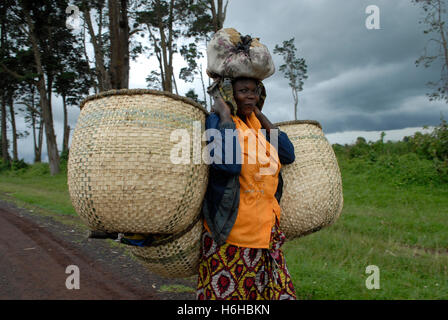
<point>120,175</point>
<point>176,256</point>
<point>312,192</point>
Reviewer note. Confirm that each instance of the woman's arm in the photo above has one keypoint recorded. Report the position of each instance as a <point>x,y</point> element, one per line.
<point>223,110</point>
<point>218,122</point>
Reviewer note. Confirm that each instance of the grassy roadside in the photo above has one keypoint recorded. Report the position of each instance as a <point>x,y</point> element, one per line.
<point>407,243</point>
<point>402,229</point>
<point>37,187</point>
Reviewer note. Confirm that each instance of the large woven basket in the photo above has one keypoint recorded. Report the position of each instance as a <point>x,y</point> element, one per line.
<point>120,174</point>
<point>176,256</point>
<point>312,193</point>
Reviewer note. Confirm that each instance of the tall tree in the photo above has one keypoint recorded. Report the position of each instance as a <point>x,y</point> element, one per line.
<point>33,116</point>
<point>4,142</point>
<point>99,40</point>
<point>436,50</point>
<point>12,115</point>
<point>167,21</point>
<point>43,24</point>
<point>72,84</point>
<point>206,18</point>
<point>21,61</point>
<point>34,17</point>
<point>25,95</point>
<point>72,81</point>
<point>191,54</point>
<point>113,42</point>
<point>5,45</point>
<point>294,69</point>
<point>161,18</point>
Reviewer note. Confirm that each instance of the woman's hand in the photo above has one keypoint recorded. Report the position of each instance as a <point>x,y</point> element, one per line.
<point>222,109</point>
<point>264,121</point>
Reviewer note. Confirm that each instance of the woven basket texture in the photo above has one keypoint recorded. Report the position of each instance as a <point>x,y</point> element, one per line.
<point>176,259</point>
<point>312,192</point>
<point>120,175</point>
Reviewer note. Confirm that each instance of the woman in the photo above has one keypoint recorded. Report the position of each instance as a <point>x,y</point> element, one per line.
<point>241,255</point>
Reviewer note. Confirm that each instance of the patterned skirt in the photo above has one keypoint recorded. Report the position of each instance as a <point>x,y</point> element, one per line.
<point>230,272</point>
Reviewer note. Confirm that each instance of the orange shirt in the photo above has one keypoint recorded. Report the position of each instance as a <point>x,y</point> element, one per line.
<point>258,206</point>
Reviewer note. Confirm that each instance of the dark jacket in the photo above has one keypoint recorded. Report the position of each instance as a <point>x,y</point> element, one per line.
<point>220,206</point>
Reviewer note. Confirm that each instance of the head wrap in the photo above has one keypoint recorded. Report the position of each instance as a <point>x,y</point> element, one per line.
<point>224,87</point>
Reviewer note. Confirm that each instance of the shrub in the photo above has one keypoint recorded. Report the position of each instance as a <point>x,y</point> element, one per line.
<point>4,165</point>
<point>360,149</point>
<point>419,159</point>
<point>39,169</point>
<point>17,165</point>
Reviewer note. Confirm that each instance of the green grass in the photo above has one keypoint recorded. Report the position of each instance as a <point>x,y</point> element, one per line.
<point>177,288</point>
<point>402,229</point>
<point>398,224</point>
<point>35,186</point>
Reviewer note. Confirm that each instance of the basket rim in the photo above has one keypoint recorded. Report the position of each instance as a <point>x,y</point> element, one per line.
<point>292,122</point>
<point>114,92</point>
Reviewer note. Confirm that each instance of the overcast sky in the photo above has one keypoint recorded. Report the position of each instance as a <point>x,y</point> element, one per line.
<point>360,82</point>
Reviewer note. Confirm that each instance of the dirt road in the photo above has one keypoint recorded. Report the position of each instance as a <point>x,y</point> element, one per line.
<point>35,252</point>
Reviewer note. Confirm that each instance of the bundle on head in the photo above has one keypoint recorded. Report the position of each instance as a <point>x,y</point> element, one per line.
<point>231,55</point>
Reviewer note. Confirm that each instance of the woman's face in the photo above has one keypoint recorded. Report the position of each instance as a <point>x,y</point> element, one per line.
<point>246,96</point>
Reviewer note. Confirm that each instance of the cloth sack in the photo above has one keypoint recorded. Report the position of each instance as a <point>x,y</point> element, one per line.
<point>229,54</point>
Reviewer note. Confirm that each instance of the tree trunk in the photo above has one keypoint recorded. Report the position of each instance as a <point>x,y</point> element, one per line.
<point>170,44</point>
<point>203,86</point>
<point>37,141</point>
<point>86,56</point>
<point>159,57</point>
<point>218,13</point>
<point>124,43</point>
<point>49,93</point>
<point>64,140</point>
<point>119,44</point>
<point>295,95</point>
<point>33,127</point>
<point>67,138</point>
<point>15,156</point>
<point>3,44</point>
<point>38,151</point>
<point>101,72</point>
<point>5,154</point>
<point>52,150</point>
<point>175,84</point>
<point>167,82</point>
